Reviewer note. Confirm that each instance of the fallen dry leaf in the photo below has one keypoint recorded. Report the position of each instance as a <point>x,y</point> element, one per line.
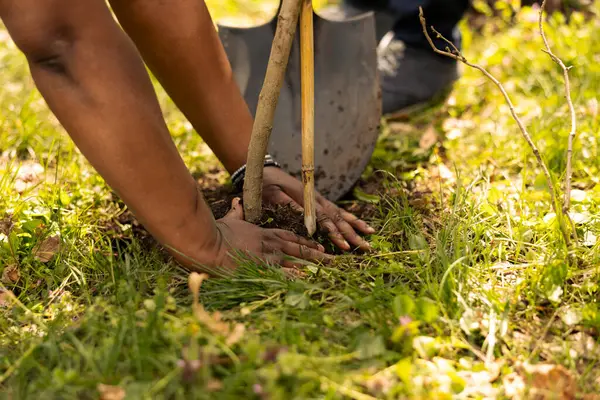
<point>29,175</point>
<point>11,274</point>
<point>6,224</point>
<point>540,382</point>
<point>45,250</point>
<point>108,392</point>
<point>585,345</point>
<point>5,298</point>
<point>429,138</point>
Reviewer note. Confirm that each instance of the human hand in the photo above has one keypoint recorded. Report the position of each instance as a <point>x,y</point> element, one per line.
<point>280,188</point>
<point>275,246</point>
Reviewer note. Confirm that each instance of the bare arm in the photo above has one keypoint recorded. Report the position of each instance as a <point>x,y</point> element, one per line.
<point>179,42</point>
<point>94,81</point>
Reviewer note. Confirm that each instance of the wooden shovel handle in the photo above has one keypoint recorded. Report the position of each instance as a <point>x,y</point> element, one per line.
<point>307,79</point>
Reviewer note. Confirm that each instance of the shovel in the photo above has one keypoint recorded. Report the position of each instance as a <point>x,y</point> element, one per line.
<point>347,100</point>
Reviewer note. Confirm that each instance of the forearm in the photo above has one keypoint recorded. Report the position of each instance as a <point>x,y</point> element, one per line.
<point>180,44</point>
<point>99,90</point>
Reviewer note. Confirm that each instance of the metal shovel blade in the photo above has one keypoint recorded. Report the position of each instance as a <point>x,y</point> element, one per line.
<point>347,96</point>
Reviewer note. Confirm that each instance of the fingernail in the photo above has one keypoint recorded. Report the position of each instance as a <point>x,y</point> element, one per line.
<point>371,230</point>
<point>321,248</point>
<point>346,244</point>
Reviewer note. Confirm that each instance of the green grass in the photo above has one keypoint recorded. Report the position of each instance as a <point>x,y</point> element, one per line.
<point>469,279</point>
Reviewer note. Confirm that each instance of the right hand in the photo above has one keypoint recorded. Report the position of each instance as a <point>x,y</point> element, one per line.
<point>270,245</point>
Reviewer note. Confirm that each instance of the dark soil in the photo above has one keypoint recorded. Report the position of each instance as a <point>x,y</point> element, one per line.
<point>219,199</point>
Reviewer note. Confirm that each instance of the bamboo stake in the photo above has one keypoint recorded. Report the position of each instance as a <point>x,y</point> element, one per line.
<point>307,79</point>
<point>267,104</point>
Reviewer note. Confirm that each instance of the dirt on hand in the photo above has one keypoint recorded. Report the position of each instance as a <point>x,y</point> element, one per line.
<point>219,199</point>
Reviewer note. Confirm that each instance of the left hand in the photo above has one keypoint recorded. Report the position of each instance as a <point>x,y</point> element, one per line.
<point>280,188</point>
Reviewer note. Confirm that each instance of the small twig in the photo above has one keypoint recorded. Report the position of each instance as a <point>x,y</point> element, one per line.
<point>457,55</point>
<point>565,69</point>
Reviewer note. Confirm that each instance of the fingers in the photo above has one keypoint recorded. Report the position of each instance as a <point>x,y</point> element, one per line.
<point>304,252</point>
<point>237,211</point>
<point>340,225</point>
<point>332,231</point>
<point>292,237</point>
<point>275,195</point>
<point>278,245</point>
<point>356,222</point>
<point>340,231</point>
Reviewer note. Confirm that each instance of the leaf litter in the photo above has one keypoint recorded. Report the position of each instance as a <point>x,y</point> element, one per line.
<point>47,248</point>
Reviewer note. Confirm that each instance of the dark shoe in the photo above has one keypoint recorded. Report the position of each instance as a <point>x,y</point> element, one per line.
<point>411,76</point>
<point>408,75</point>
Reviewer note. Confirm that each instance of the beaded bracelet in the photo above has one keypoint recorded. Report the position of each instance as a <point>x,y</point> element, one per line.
<point>237,178</point>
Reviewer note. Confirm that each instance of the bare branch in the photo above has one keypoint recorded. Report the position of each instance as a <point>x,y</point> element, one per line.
<point>267,105</point>
<point>565,69</point>
<point>440,36</point>
<point>459,57</point>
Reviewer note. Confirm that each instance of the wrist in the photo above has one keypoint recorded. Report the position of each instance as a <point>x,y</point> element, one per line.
<point>202,255</point>
<point>194,241</point>
<point>237,177</point>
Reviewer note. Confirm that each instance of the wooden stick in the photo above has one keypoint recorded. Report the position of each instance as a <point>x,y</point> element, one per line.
<point>307,79</point>
<point>267,104</point>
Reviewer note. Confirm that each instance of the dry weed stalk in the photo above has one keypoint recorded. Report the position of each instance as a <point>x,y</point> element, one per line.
<point>572,133</point>
<point>561,213</point>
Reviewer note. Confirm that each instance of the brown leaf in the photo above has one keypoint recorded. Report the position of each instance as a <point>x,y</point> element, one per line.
<point>108,392</point>
<point>29,174</point>
<point>45,250</point>
<point>540,382</point>
<point>6,297</point>
<point>6,225</point>
<point>429,138</point>
<point>11,274</point>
